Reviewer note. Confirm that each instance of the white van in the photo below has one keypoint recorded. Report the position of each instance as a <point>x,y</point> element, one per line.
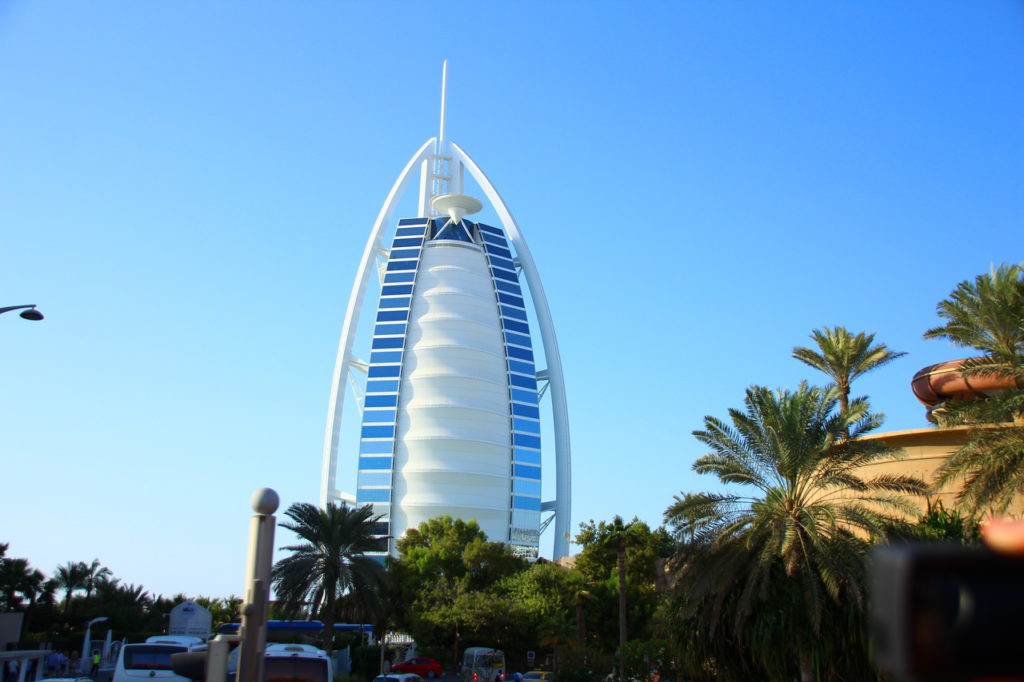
<point>483,664</point>
<point>297,663</point>
<point>150,661</point>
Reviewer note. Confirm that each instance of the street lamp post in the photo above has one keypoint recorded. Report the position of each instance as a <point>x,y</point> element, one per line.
<point>29,311</point>
<point>253,632</point>
<point>86,662</point>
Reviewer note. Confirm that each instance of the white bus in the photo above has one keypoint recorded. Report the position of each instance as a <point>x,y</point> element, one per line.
<point>297,662</point>
<point>483,664</point>
<point>150,661</point>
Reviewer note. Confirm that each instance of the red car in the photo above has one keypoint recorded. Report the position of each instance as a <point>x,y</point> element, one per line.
<point>424,667</point>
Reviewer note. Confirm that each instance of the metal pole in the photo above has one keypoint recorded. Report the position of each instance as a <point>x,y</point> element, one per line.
<point>253,632</point>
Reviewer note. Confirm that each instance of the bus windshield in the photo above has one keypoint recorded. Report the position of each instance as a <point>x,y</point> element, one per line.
<point>142,657</point>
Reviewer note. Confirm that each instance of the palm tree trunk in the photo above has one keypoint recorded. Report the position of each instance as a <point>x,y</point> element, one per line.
<point>622,608</point>
<point>806,668</point>
<point>328,620</point>
<point>581,630</point>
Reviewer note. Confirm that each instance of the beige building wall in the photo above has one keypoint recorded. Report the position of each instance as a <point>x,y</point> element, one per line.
<point>926,450</point>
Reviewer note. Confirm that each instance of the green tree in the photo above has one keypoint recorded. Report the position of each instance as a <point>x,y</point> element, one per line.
<point>622,564</point>
<point>843,357</point>
<point>619,535</point>
<point>330,562</point>
<point>987,315</point>
<point>546,596</point>
<point>938,524</point>
<point>798,530</point>
<point>444,575</point>
<point>19,582</point>
<point>70,577</point>
<point>94,573</point>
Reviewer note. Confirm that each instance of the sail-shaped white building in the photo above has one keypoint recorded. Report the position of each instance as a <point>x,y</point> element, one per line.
<point>450,394</point>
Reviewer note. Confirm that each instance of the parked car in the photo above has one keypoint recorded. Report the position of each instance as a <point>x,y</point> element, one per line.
<point>422,666</point>
<point>398,677</point>
<point>543,675</point>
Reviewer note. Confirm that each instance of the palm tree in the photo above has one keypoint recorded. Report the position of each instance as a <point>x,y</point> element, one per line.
<point>330,562</point>
<point>70,577</point>
<point>988,315</point>
<point>94,573</point>
<point>844,357</point>
<point>802,529</point>
<point>618,536</point>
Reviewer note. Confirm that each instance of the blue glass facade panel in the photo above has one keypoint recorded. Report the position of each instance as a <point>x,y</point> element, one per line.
<point>378,432</point>
<point>522,381</point>
<point>499,262</point>
<point>522,396</point>
<point>492,230</point>
<point>395,277</point>
<point>385,356</point>
<point>498,251</point>
<point>530,503</point>
<point>511,300</point>
<point>381,386</point>
<point>399,302</point>
<point>365,479</point>
<point>389,329</point>
<point>516,326</point>
<point>413,221</point>
<point>407,241</point>
<point>522,354</point>
<point>381,417</point>
<point>522,367</point>
<point>364,495</point>
<point>526,456</point>
<point>388,342</point>
<point>376,447</point>
<point>525,471</point>
<point>525,425</point>
<point>396,289</point>
<point>526,487</point>
<point>518,339</point>
<point>375,463</point>
<point>505,274</point>
<point>392,315</point>
<point>391,401</point>
<point>510,287</point>
<point>381,371</point>
<point>520,410</point>
<point>525,440</point>
<point>515,313</point>
<point>401,254</point>
<point>402,265</point>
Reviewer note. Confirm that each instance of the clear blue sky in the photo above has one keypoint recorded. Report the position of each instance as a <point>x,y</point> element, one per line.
<point>186,189</point>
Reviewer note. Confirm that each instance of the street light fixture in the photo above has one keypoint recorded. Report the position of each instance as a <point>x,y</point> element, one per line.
<point>29,311</point>
<point>86,660</point>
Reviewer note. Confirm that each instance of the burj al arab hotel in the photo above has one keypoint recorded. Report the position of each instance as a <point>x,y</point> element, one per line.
<point>450,395</point>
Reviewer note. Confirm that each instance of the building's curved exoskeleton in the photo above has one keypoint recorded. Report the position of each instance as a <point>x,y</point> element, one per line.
<point>450,413</point>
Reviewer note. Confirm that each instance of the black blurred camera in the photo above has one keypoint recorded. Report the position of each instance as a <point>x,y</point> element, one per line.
<point>945,612</point>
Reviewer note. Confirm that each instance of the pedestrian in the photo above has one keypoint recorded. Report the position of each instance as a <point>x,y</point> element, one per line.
<point>53,663</point>
<point>95,663</point>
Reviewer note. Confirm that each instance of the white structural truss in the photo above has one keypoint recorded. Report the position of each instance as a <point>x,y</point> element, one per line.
<point>442,165</point>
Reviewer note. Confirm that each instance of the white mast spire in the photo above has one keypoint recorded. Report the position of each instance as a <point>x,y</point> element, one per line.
<point>444,92</point>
